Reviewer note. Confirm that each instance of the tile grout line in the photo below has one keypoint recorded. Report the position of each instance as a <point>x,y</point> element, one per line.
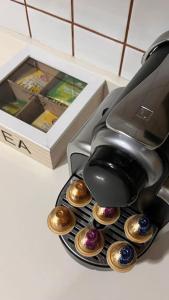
<point>43,11</point>
<point>48,13</point>
<point>27,17</point>
<point>72,21</point>
<point>72,27</point>
<point>98,33</point>
<point>126,36</point>
<point>135,48</point>
<point>18,2</point>
<point>80,26</point>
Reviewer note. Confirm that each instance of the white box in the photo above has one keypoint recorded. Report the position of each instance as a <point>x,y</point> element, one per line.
<point>49,147</point>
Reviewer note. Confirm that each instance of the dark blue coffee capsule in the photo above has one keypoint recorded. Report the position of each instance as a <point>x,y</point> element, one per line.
<point>138,229</point>
<point>121,256</point>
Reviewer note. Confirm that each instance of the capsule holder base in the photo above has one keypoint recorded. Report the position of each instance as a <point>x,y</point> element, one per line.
<point>112,233</point>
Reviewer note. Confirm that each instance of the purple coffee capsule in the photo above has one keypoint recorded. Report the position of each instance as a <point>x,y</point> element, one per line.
<point>89,242</point>
<point>106,215</point>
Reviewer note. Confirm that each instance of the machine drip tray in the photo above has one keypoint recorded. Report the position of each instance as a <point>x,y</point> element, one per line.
<point>112,233</point>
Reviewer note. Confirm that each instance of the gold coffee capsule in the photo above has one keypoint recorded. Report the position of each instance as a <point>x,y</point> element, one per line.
<point>89,242</point>
<point>105,215</point>
<point>61,220</point>
<point>138,229</point>
<point>121,256</point>
<point>77,194</point>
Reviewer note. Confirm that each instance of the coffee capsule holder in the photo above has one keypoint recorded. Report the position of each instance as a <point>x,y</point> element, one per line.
<point>112,233</point>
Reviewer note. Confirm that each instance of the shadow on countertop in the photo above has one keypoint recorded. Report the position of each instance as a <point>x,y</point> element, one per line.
<point>158,250</point>
<point>62,161</point>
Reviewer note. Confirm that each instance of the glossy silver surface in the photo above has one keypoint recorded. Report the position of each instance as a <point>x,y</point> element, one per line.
<point>149,160</point>
<point>84,143</point>
<point>159,41</point>
<point>164,192</point>
<point>143,113</point>
<point>81,143</point>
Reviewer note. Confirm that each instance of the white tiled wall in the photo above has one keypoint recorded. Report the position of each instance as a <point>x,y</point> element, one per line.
<point>13,16</point>
<point>149,19</point>
<point>61,8</point>
<point>51,31</point>
<point>132,62</point>
<point>93,30</point>
<point>103,16</point>
<point>97,50</point>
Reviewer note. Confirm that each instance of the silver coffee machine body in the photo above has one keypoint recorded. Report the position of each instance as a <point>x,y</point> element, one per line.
<point>122,154</point>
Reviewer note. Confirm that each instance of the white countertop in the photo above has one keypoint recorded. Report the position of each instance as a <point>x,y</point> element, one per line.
<point>33,263</point>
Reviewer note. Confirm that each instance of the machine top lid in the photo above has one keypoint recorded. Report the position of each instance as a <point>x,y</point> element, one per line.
<point>144,112</point>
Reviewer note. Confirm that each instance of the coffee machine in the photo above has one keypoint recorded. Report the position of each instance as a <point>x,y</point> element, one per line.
<point>122,156</point>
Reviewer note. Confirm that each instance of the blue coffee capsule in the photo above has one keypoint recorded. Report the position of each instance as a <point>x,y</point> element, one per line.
<point>121,256</point>
<point>138,229</point>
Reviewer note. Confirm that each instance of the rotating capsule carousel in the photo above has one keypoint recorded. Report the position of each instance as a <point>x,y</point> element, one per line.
<point>103,238</point>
